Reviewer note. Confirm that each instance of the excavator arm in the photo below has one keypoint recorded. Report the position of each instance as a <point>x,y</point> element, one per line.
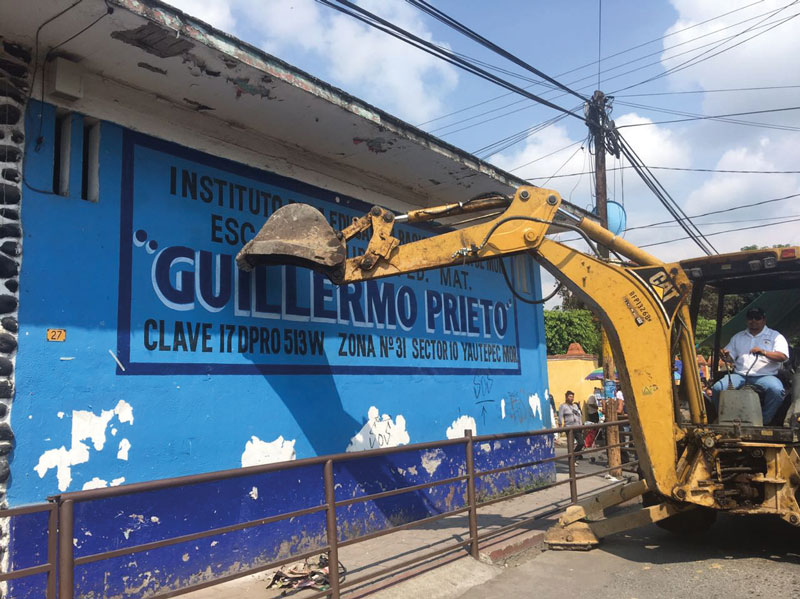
<point>642,303</point>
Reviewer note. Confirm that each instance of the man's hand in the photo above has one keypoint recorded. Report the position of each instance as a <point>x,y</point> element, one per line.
<point>726,356</point>
<point>758,351</point>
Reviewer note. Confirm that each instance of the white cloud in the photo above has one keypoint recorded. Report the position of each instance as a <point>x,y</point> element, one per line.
<point>214,12</point>
<point>364,61</point>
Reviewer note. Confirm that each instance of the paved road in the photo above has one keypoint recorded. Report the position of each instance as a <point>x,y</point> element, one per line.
<point>737,557</point>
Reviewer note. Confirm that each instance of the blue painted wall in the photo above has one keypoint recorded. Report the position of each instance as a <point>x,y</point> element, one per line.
<point>173,360</point>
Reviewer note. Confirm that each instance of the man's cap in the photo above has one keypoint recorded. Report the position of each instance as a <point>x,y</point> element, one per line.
<point>756,313</point>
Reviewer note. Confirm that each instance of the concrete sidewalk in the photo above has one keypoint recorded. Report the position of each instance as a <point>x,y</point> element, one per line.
<point>390,551</point>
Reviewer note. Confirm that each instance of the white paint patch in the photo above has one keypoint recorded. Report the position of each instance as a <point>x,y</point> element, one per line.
<point>185,557</point>
<point>117,481</point>
<point>254,493</point>
<point>95,483</point>
<point>503,408</point>
<point>486,448</point>
<point>86,426</point>
<point>380,431</point>
<point>124,447</point>
<point>60,415</point>
<point>536,405</point>
<point>257,452</point>
<point>124,411</point>
<point>431,460</point>
<point>154,519</point>
<point>114,431</point>
<point>214,543</point>
<point>462,423</point>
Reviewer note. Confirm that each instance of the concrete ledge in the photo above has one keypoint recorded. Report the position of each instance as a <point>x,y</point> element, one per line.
<point>503,547</point>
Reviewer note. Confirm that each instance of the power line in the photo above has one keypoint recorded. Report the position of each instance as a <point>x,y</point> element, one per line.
<point>606,58</point>
<point>647,245</point>
<point>464,30</point>
<point>709,91</point>
<point>707,117</point>
<point>730,222</point>
<point>710,213</point>
<point>664,197</point>
<point>377,22</point>
<point>697,59</point>
<point>658,62</point>
<point>721,119</point>
<point>675,168</point>
<point>588,77</point>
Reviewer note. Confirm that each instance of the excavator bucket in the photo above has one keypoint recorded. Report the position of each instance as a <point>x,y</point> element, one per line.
<point>296,234</point>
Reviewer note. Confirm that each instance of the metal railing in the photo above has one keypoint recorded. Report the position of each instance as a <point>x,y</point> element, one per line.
<point>61,521</point>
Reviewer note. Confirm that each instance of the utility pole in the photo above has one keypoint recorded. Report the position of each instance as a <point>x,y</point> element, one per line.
<point>597,126</point>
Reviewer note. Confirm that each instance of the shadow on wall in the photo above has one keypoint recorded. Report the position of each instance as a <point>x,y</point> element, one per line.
<point>318,410</point>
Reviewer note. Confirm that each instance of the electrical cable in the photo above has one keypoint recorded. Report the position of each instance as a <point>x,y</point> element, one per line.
<point>664,197</point>
<point>464,30</point>
<point>673,168</point>
<point>717,116</point>
<point>606,58</point>
<point>606,71</point>
<point>697,59</point>
<point>520,297</point>
<point>564,164</point>
<point>377,22</point>
<point>39,139</point>
<point>709,91</point>
<point>722,119</point>
<point>723,232</point>
<point>712,212</point>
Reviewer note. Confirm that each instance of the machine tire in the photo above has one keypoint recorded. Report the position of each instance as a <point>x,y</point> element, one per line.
<point>692,522</point>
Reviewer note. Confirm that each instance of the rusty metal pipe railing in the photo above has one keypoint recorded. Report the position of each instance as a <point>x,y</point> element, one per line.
<point>61,522</point>
<point>50,566</point>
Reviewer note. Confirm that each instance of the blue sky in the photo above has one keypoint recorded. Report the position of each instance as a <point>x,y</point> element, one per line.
<point>559,38</point>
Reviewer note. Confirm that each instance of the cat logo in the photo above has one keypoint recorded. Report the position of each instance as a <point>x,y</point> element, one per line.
<point>662,285</point>
<point>663,288</point>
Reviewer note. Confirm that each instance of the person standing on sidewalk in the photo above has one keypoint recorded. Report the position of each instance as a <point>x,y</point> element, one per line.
<point>570,415</point>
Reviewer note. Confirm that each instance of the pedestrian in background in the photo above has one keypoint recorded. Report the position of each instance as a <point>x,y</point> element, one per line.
<point>570,415</point>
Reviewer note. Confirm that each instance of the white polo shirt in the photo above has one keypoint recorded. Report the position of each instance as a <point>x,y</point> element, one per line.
<point>747,363</point>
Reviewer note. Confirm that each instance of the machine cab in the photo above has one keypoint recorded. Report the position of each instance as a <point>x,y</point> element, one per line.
<point>725,287</point>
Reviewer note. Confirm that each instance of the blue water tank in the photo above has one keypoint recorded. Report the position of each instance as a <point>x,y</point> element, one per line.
<point>617,219</point>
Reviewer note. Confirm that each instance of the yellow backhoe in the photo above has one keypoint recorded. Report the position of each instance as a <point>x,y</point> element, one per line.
<point>691,468</point>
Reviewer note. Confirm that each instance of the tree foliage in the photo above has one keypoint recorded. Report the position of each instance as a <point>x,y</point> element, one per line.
<point>704,328</point>
<point>563,327</point>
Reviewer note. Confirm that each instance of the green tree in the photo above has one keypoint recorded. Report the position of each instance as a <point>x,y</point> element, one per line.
<point>563,327</point>
<point>704,328</point>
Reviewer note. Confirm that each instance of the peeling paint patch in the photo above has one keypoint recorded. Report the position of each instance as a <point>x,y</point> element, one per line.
<point>95,483</point>
<point>486,448</point>
<point>198,67</point>
<point>503,408</point>
<point>85,426</point>
<point>149,67</point>
<point>154,40</point>
<point>536,405</point>
<point>379,145</point>
<point>380,431</point>
<point>254,493</point>
<point>459,425</point>
<point>243,85</point>
<point>197,106</point>
<point>431,460</point>
<point>257,452</point>
<point>124,447</point>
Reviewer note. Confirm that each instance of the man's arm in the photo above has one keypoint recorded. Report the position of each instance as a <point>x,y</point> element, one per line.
<point>727,351</point>
<point>779,352</point>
